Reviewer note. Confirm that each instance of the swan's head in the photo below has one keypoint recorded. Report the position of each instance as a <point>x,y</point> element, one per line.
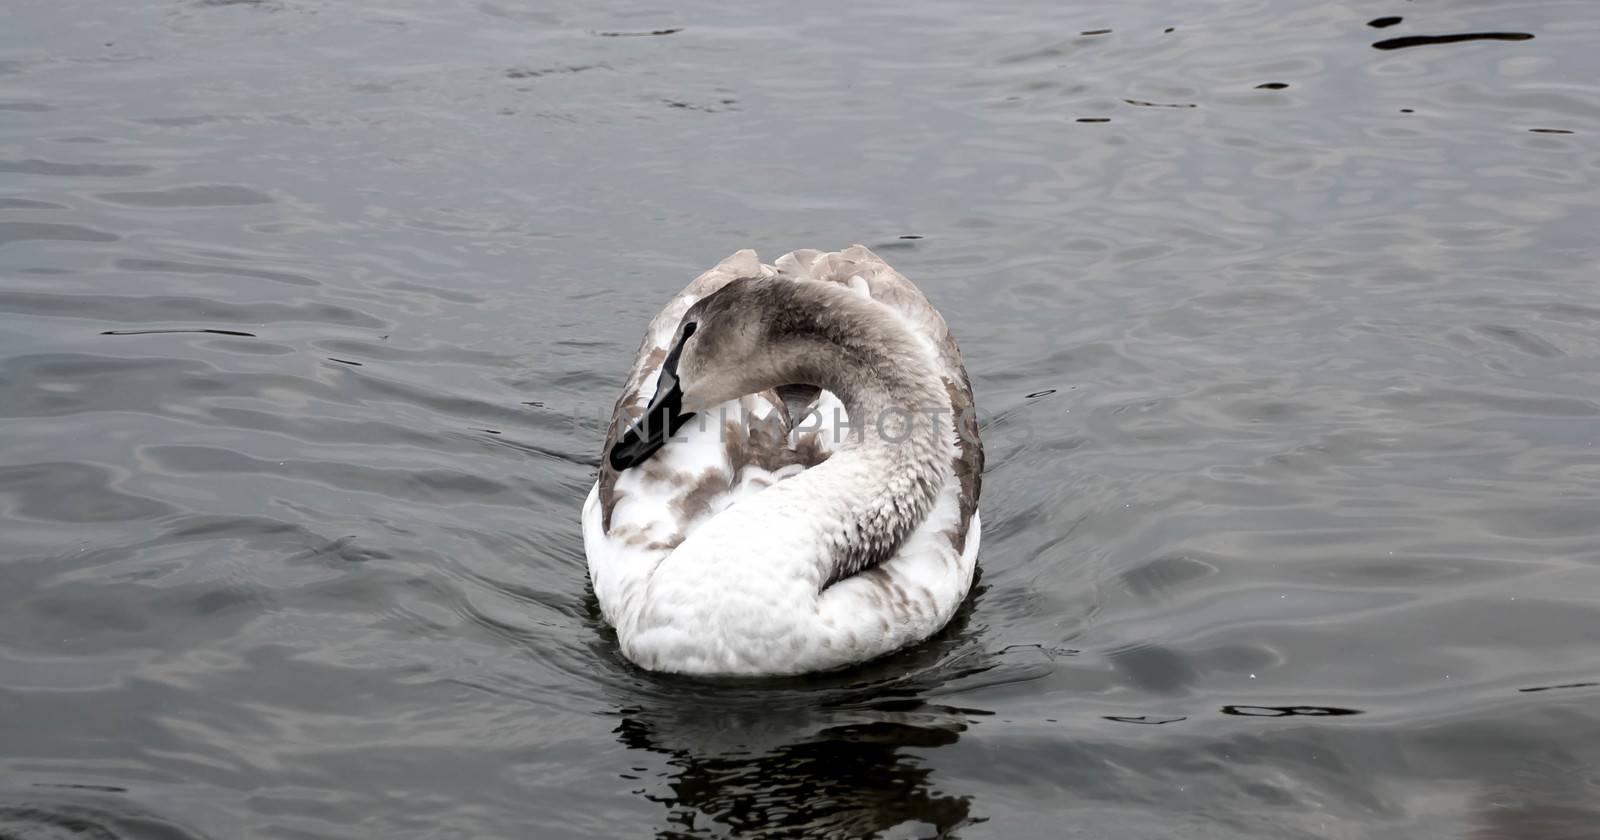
<point>735,341</point>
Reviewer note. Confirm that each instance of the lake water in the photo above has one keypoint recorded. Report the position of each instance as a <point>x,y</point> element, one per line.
<point>1284,325</point>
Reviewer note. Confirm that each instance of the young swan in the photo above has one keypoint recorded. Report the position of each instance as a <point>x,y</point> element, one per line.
<point>869,547</point>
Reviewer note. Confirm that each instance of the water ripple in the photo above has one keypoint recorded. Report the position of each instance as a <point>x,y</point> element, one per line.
<point>312,316</point>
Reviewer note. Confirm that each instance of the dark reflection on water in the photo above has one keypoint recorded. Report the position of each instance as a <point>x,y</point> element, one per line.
<point>1538,688</point>
<point>1427,40</point>
<point>853,779</point>
<point>1286,349</point>
<point>1289,711</point>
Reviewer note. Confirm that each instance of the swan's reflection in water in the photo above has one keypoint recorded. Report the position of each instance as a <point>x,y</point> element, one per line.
<point>853,774</point>
<point>825,757</point>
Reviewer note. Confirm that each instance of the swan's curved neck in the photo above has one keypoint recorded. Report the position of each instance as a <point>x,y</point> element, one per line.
<point>879,486</point>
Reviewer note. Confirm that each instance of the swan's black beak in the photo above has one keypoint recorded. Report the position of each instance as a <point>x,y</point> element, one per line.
<point>661,420</point>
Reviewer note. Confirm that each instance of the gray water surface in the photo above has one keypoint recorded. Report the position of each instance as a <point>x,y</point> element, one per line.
<point>1284,324</point>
